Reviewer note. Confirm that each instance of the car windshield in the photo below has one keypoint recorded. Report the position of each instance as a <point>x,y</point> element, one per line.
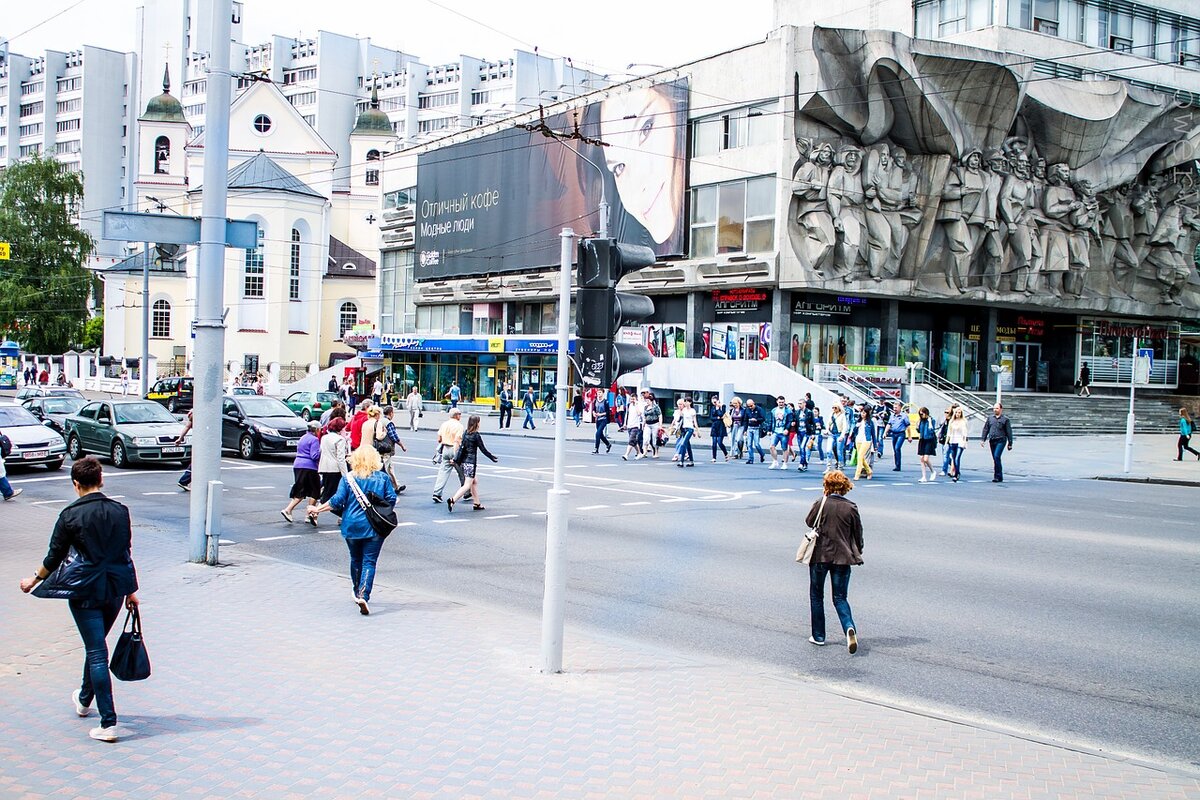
<point>64,393</point>
<point>141,412</point>
<point>63,405</point>
<point>326,397</point>
<point>265,407</point>
<point>12,416</point>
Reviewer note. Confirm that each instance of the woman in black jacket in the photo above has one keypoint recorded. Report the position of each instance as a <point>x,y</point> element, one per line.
<point>468,454</point>
<point>99,530</point>
<point>839,545</point>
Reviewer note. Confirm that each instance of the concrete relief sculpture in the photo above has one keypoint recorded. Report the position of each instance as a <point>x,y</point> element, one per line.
<point>926,168</point>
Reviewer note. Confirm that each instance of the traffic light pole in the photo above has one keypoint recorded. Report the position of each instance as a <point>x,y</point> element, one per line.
<point>553,597</point>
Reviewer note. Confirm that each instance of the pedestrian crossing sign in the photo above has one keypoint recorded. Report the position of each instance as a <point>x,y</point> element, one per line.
<point>5,251</point>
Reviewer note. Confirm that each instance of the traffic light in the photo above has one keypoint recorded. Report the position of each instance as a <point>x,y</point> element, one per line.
<point>600,310</point>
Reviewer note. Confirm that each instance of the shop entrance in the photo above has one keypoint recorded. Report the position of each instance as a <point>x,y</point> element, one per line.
<point>1026,356</point>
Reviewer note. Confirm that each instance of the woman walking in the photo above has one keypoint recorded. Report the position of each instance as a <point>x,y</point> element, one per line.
<point>332,463</point>
<point>737,427</point>
<point>307,480</point>
<point>956,441</point>
<point>1186,428</point>
<point>687,429</point>
<point>716,419</point>
<point>926,445</point>
<point>413,404</point>
<point>635,420</point>
<point>468,457</point>
<point>362,541</point>
<point>838,547</point>
<point>1085,381</point>
<point>864,442</point>
<point>99,530</point>
<point>837,433</point>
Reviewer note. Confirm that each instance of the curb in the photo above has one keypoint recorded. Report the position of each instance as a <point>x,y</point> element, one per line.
<point>1149,479</point>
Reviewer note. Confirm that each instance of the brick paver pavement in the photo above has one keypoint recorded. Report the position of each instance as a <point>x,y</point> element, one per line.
<point>268,683</point>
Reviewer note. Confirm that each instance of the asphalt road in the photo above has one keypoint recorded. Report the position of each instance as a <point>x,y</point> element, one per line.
<point>1061,608</point>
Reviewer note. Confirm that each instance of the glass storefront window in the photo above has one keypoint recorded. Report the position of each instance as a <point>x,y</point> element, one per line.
<point>813,344</point>
<point>912,346</point>
<point>1107,347</point>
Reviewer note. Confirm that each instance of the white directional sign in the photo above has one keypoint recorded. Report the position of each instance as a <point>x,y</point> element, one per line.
<point>127,226</point>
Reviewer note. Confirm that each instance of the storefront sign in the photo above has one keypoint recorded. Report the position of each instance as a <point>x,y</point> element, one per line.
<point>496,344</point>
<point>1107,328</point>
<point>1031,327</point>
<point>742,302</point>
<point>824,310</point>
<point>394,342</point>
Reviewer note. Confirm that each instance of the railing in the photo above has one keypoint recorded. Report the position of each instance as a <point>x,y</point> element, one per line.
<point>974,404</point>
<point>856,384</point>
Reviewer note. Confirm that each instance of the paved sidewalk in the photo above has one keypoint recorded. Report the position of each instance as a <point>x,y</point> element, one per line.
<point>268,683</point>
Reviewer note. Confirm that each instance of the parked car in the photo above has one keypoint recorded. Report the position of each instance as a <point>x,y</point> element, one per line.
<point>244,391</point>
<point>54,410</point>
<point>310,405</point>
<point>47,391</point>
<point>33,442</point>
<point>127,431</point>
<point>174,393</point>
<point>254,424</point>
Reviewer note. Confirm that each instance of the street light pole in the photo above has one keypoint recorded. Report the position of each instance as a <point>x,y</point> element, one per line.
<point>209,353</point>
<point>1129,419</point>
<point>145,318</point>
<point>998,370</point>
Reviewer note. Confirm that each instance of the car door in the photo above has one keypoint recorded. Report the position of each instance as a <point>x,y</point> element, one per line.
<point>231,425</point>
<point>295,401</point>
<point>103,431</point>
<point>80,425</point>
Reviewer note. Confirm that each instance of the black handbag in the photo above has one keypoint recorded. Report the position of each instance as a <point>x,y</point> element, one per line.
<point>130,660</point>
<point>70,581</point>
<point>380,515</point>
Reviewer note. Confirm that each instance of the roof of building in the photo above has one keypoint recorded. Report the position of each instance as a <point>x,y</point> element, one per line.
<point>346,262</point>
<point>165,107</point>
<point>260,172</point>
<point>372,121</point>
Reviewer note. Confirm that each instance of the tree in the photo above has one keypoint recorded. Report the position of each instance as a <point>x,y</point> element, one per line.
<point>44,286</point>
<point>93,334</point>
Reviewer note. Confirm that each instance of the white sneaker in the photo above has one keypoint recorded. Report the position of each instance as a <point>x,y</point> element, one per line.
<point>923,480</point>
<point>851,641</point>
<point>933,478</point>
<point>814,641</point>
<point>109,734</point>
<point>80,708</point>
<point>16,492</point>
<point>774,465</point>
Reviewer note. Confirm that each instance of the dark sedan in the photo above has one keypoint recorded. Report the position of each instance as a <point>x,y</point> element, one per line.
<point>54,409</point>
<point>254,424</point>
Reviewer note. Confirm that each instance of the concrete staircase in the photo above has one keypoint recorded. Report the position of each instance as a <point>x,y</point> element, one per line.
<point>1068,415</point>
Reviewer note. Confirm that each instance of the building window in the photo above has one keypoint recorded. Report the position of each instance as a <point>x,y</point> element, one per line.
<point>347,318</point>
<point>162,155</point>
<point>741,127</point>
<point>194,111</point>
<point>32,109</point>
<point>62,126</point>
<point>1045,17</point>
<point>67,106</point>
<point>303,99</point>
<point>299,75</point>
<point>69,84</point>
<point>294,268</point>
<point>952,16</point>
<point>71,147</point>
<point>30,150</point>
<point>30,130</point>
<point>32,88</point>
<point>1116,31</point>
<point>372,172</point>
<point>252,275</point>
<point>160,320</point>
<point>734,217</point>
<point>262,123</point>
<point>431,125</point>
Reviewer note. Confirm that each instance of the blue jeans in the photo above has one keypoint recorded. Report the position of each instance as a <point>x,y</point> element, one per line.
<point>997,447</point>
<point>737,440</point>
<point>577,416</point>
<point>954,454</point>
<point>719,442</point>
<point>879,438</point>
<point>363,555</point>
<point>897,446</point>
<point>528,423</point>
<point>754,442</point>
<point>94,625</point>
<point>601,427</point>
<point>839,580</point>
<point>838,446</point>
<point>946,459</point>
<point>683,448</point>
<point>5,487</point>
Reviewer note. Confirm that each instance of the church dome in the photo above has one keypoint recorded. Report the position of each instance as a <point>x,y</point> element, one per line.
<point>372,121</point>
<point>165,107</point>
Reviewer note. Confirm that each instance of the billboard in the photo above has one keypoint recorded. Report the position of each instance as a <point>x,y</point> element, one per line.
<point>496,204</point>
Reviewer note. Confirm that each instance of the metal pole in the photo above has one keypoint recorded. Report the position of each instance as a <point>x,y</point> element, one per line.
<point>212,512</point>
<point>145,319</point>
<point>1129,420</point>
<point>553,600</point>
<point>209,354</point>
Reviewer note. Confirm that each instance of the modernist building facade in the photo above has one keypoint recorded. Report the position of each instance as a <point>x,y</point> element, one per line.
<point>864,198</point>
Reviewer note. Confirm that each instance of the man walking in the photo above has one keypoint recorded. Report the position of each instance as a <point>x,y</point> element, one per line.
<point>997,433</point>
<point>357,422</point>
<point>898,430</point>
<point>601,411</point>
<point>781,418</point>
<point>454,394</point>
<point>506,406</point>
<point>753,419</point>
<point>449,437</point>
<point>530,403</point>
<point>185,480</point>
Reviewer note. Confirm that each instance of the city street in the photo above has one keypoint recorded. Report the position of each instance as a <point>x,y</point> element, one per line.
<point>1050,607</point>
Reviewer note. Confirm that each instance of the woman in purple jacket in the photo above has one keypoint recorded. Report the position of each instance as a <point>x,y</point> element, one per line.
<point>307,482</point>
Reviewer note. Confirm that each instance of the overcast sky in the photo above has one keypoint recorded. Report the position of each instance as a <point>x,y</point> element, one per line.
<point>606,35</point>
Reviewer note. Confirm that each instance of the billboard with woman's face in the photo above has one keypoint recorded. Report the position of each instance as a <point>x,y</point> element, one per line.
<point>498,203</point>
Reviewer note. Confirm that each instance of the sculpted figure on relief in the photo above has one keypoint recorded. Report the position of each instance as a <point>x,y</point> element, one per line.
<point>845,198</point>
<point>810,180</point>
<point>964,215</point>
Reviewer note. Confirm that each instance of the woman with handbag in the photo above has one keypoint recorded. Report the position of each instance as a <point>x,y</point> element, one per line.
<point>956,441</point>
<point>101,579</point>
<point>364,544</point>
<point>838,547</point>
<point>863,435</point>
<point>306,479</point>
<point>717,414</point>
<point>927,433</point>
<point>467,458</point>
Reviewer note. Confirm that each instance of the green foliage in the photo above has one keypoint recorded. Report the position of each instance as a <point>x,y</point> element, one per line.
<point>93,334</point>
<point>44,287</point>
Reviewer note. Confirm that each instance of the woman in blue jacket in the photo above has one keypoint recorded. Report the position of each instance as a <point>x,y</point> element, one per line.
<point>364,544</point>
<point>864,442</point>
<point>98,529</point>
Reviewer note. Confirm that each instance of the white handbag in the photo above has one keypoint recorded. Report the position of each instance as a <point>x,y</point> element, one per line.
<point>808,544</point>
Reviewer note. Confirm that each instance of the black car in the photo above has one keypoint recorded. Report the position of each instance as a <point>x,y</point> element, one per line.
<point>175,393</point>
<point>54,409</point>
<point>252,424</point>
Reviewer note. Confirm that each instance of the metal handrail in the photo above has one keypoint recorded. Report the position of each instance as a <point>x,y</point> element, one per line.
<point>858,384</point>
<point>956,393</point>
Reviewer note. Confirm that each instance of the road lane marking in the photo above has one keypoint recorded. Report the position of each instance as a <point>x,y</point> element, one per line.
<point>591,508</point>
<point>502,516</point>
<point>120,496</point>
<point>159,494</point>
<point>675,500</point>
<point>46,502</point>
<point>277,538</point>
<point>447,521</point>
<point>225,541</point>
<point>904,484</point>
<point>638,503</point>
<point>785,489</point>
<point>256,488</point>
<point>403,524</point>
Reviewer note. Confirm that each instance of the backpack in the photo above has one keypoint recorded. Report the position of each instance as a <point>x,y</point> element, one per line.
<point>653,414</point>
<point>5,446</point>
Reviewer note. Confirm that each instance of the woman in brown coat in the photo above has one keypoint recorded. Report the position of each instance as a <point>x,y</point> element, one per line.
<point>839,546</point>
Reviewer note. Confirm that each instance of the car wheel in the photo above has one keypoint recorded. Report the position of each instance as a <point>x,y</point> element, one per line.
<point>171,405</point>
<point>74,449</point>
<point>54,466</point>
<point>246,446</point>
<point>305,415</point>
<point>120,458</point>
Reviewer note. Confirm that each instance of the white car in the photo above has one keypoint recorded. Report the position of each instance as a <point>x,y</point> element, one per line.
<point>33,442</point>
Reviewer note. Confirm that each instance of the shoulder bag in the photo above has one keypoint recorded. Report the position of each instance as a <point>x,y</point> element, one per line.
<point>380,515</point>
<point>130,660</point>
<point>69,581</point>
<point>383,444</point>
<point>809,543</point>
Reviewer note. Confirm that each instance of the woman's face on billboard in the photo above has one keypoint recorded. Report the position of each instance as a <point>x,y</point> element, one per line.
<point>641,129</point>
